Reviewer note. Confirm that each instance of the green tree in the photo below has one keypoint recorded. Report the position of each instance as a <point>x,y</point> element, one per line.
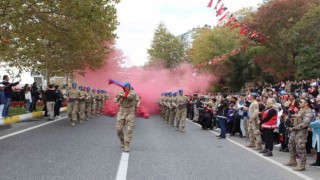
<point>56,36</point>
<point>307,36</point>
<point>165,48</point>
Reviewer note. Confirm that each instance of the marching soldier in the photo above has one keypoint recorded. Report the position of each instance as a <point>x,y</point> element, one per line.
<point>126,114</point>
<point>99,102</point>
<point>254,128</point>
<point>94,103</point>
<point>88,102</point>
<point>174,108</point>
<point>181,115</point>
<point>82,104</point>
<point>73,96</point>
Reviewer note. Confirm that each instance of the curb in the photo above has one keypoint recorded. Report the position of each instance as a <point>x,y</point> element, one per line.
<point>24,117</point>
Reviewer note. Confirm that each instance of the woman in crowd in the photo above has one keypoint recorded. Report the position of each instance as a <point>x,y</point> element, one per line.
<point>268,124</point>
<point>28,98</point>
<point>316,138</point>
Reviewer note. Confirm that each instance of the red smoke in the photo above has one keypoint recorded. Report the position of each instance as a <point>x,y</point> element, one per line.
<point>149,82</point>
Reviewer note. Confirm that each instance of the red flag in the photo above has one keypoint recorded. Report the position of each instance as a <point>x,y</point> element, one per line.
<point>215,61</point>
<point>242,30</point>
<point>236,25</point>
<point>217,4</point>
<point>231,20</point>
<point>220,10</point>
<point>244,47</point>
<point>210,3</point>
<point>223,56</point>
<point>234,52</point>
<point>261,38</point>
<point>224,16</point>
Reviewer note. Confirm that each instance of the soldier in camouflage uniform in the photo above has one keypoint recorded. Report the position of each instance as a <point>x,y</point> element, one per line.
<point>88,100</point>
<point>125,117</point>
<point>82,104</point>
<point>73,96</point>
<point>254,127</point>
<point>299,134</point>
<point>99,102</point>
<point>94,103</point>
<point>174,108</point>
<point>181,115</point>
<point>169,107</point>
<point>161,105</point>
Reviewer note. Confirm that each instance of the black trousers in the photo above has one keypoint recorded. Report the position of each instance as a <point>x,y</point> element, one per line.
<point>45,109</point>
<point>268,138</point>
<point>309,142</point>
<point>236,126</point>
<point>57,107</point>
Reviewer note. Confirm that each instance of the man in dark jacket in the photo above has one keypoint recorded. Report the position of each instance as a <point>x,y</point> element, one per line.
<point>35,94</point>
<point>51,97</point>
<point>222,116</point>
<point>8,94</point>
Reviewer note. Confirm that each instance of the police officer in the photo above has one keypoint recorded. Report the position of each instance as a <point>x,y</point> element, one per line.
<point>82,104</point>
<point>88,102</point>
<point>254,128</point>
<point>128,104</point>
<point>94,103</point>
<point>73,108</point>
<point>299,134</point>
<point>181,115</point>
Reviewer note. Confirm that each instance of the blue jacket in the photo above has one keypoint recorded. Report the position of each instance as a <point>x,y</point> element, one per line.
<point>2,97</point>
<point>315,125</point>
<point>230,116</point>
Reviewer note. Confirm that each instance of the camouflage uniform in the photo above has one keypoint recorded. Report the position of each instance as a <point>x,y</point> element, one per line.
<point>126,116</point>
<point>88,100</point>
<point>169,108</point>
<point>181,114</point>
<point>254,128</point>
<point>73,96</point>
<point>94,104</point>
<point>173,110</point>
<point>298,138</point>
<point>99,103</point>
<point>82,106</point>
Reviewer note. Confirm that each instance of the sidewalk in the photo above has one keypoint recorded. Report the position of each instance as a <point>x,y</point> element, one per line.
<point>24,117</point>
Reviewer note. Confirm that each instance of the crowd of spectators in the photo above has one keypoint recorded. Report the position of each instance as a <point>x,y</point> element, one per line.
<point>51,99</point>
<point>278,104</point>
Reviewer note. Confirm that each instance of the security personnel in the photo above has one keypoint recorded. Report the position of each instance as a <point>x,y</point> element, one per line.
<point>99,102</point>
<point>254,128</point>
<point>299,134</point>
<point>82,104</point>
<point>181,111</point>
<point>94,103</point>
<point>73,97</point>
<point>128,104</point>
<point>169,107</point>
<point>88,101</point>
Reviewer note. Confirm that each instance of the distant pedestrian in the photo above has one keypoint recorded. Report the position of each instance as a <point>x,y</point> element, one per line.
<point>2,99</point>
<point>50,95</point>
<point>28,98</point>
<point>8,94</point>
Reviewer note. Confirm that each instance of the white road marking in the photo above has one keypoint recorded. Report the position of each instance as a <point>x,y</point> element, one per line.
<point>263,157</point>
<point>123,167</point>
<point>29,129</point>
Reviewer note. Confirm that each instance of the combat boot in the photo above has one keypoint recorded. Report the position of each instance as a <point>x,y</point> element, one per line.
<point>301,167</point>
<point>81,121</point>
<point>291,162</point>
<point>122,143</point>
<point>73,124</point>
<point>183,130</point>
<point>126,146</point>
<point>258,147</point>
<point>250,145</point>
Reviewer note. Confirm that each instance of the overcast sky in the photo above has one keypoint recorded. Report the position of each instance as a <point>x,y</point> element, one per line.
<point>139,18</point>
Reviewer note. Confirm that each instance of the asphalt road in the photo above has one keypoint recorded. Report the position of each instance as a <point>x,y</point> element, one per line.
<point>92,151</point>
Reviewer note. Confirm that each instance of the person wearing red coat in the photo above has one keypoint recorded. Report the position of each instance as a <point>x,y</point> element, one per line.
<point>268,124</point>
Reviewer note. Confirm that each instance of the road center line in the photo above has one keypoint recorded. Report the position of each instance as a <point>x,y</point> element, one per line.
<point>29,129</point>
<point>123,167</point>
<point>265,158</point>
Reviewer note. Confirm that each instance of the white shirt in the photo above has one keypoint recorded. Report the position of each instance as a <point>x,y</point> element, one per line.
<point>28,96</point>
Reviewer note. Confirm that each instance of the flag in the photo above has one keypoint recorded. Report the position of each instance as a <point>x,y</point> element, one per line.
<point>118,83</point>
<point>231,20</point>
<point>217,4</point>
<point>261,38</point>
<point>210,4</point>
<point>224,16</point>
<point>236,25</point>
<point>215,61</point>
<point>223,10</point>
<point>234,52</point>
<point>220,10</point>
